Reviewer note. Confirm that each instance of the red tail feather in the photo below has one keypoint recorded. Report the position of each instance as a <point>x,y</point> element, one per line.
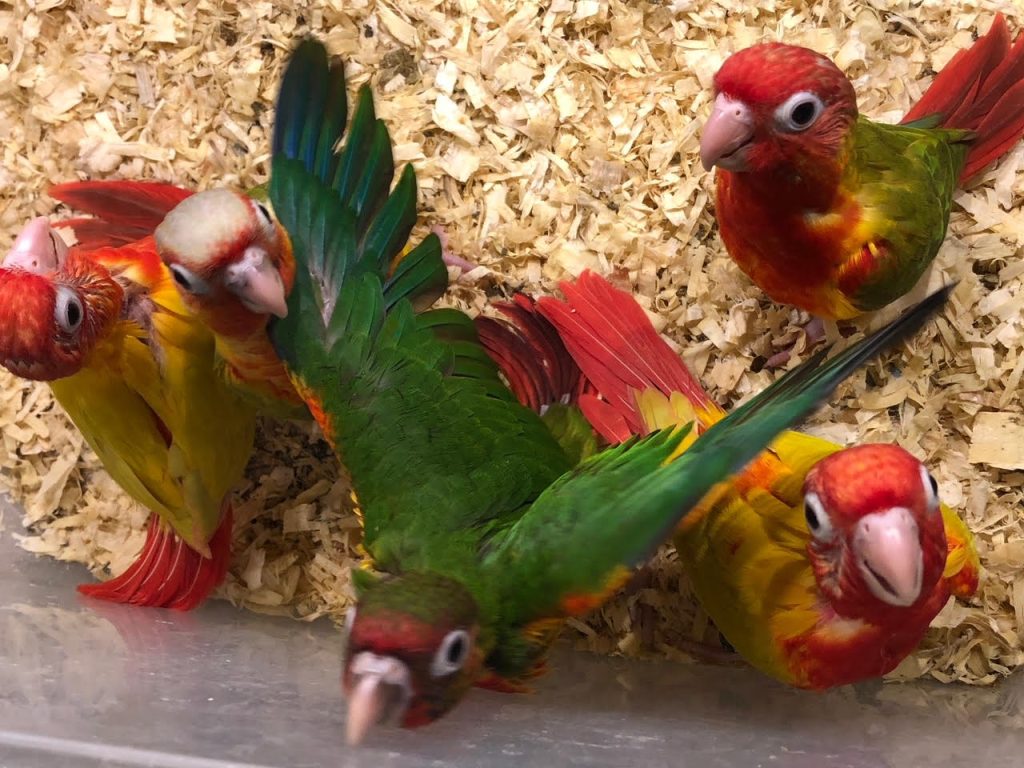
<point>611,338</point>
<point>530,354</point>
<point>126,210</point>
<point>92,234</point>
<point>981,89</point>
<point>168,573</point>
<point>606,421</point>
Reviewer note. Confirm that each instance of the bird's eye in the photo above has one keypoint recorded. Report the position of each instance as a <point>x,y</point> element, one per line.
<point>265,213</point>
<point>68,312</point>
<point>818,521</point>
<point>931,488</point>
<point>799,112</point>
<point>188,280</point>
<point>451,654</point>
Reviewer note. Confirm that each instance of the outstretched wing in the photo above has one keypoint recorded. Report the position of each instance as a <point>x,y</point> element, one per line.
<point>312,107</point>
<point>439,452</point>
<point>582,535</point>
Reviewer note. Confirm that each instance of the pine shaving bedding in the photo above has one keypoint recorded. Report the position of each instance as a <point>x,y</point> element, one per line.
<point>547,138</point>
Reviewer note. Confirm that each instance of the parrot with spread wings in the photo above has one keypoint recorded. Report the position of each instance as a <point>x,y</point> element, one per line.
<point>481,536</point>
<point>820,565</point>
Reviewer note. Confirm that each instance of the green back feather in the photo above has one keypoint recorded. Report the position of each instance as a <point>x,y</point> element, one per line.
<point>905,176</point>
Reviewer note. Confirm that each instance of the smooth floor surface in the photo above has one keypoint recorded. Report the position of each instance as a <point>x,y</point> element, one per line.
<point>89,684</point>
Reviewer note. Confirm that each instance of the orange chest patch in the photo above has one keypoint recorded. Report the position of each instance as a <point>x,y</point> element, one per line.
<point>795,255</point>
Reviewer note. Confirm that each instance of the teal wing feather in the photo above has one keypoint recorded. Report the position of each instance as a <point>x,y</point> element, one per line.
<point>312,108</point>
<point>905,179</point>
<point>611,512</point>
<point>440,454</point>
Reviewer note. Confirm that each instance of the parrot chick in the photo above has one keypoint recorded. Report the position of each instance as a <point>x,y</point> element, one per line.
<point>232,264</point>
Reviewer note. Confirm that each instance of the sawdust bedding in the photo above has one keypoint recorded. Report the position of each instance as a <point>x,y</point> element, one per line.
<point>547,138</point>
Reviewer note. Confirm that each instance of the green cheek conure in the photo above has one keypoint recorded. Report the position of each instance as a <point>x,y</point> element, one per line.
<point>482,536</point>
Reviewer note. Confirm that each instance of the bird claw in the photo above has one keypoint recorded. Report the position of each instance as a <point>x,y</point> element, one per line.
<point>814,331</point>
<point>449,258</point>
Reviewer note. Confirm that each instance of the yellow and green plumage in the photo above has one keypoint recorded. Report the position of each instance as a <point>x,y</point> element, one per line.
<point>482,537</point>
<point>746,547</point>
<point>835,213</point>
<point>144,391</point>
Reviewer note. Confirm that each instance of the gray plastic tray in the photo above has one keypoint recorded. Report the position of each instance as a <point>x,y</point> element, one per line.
<point>84,683</point>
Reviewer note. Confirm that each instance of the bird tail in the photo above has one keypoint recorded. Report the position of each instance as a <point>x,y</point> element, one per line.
<point>981,89</point>
<point>614,343</point>
<point>124,211</point>
<point>168,573</point>
<point>530,354</point>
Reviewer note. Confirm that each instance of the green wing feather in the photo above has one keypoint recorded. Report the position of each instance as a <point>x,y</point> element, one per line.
<point>440,454</point>
<point>612,511</point>
<point>312,108</point>
<point>905,177</point>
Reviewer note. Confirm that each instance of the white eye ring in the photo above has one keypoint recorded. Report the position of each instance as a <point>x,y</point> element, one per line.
<point>451,654</point>
<point>818,521</point>
<point>931,488</point>
<point>799,112</point>
<point>264,212</point>
<point>68,312</point>
<point>188,280</point>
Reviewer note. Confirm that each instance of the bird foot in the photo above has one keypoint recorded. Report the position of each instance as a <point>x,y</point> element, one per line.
<point>449,258</point>
<point>814,331</point>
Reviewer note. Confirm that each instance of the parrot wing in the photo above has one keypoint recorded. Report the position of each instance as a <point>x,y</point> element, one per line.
<point>894,170</point>
<point>312,108</point>
<point>438,450</point>
<point>124,211</point>
<point>581,536</point>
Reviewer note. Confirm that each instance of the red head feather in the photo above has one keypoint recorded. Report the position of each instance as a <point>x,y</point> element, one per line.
<point>411,652</point>
<point>878,541</point>
<point>777,104</point>
<point>50,323</point>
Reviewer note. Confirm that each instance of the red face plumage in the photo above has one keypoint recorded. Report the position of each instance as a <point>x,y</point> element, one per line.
<point>777,105</point>
<point>49,323</point>
<point>877,537</point>
<point>411,652</point>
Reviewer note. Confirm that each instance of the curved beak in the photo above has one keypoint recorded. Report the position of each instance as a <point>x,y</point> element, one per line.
<point>727,131</point>
<point>258,284</point>
<point>888,550</point>
<point>37,249</point>
<point>380,690</point>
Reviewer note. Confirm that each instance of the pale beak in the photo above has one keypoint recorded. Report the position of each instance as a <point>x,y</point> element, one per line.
<point>729,128</point>
<point>888,550</point>
<point>381,690</point>
<point>38,248</point>
<point>258,284</point>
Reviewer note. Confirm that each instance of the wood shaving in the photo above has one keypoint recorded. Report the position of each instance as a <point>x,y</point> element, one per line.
<point>548,138</point>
